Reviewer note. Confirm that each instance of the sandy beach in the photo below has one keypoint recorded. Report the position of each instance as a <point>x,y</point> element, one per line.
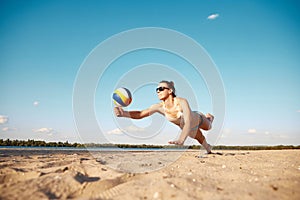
<point>54,174</point>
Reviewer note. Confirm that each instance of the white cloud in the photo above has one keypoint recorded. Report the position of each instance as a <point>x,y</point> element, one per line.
<point>131,129</point>
<point>3,119</point>
<point>283,136</point>
<point>134,129</point>
<point>213,16</point>
<point>252,130</point>
<point>4,129</point>
<point>48,131</point>
<point>298,111</point>
<point>227,131</point>
<point>116,131</point>
<point>36,103</point>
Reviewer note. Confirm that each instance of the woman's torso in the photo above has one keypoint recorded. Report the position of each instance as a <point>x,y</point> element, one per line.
<point>175,113</point>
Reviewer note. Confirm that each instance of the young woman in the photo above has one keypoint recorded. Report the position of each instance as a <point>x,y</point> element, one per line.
<point>177,111</point>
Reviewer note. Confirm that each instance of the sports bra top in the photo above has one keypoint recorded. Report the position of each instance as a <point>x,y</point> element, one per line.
<point>173,114</point>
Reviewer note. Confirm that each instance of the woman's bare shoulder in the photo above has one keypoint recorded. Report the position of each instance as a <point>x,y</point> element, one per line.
<point>180,99</point>
<point>183,103</point>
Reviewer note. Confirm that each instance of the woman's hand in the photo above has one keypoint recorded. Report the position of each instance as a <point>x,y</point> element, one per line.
<point>119,112</point>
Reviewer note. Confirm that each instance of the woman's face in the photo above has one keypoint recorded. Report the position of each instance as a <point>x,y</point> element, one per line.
<point>163,91</point>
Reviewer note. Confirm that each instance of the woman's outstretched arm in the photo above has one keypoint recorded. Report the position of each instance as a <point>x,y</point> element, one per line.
<point>119,112</point>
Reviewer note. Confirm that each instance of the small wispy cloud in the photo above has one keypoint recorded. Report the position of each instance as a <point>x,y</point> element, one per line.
<point>116,131</point>
<point>226,132</point>
<point>298,111</point>
<point>3,119</point>
<point>48,131</point>
<point>267,132</point>
<point>134,129</point>
<point>213,16</point>
<point>131,129</point>
<point>252,130</point>
<point>36,103</point>
<point>283,136</point>
<point>5,129</point>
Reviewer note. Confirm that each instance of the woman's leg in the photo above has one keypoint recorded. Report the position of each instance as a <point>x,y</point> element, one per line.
<point>201,139</point>
<point>207,121</point>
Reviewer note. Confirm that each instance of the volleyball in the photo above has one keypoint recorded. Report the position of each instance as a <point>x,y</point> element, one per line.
<point>122,97</point>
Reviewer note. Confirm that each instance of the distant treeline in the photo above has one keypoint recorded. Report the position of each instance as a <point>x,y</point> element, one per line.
<point>40,143</point>
<point>37,143</point>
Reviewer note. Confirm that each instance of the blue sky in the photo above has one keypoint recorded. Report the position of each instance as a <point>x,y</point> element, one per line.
<point>254,44</point>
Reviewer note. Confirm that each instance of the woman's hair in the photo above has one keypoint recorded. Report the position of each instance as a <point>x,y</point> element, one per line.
<point>171,86</point>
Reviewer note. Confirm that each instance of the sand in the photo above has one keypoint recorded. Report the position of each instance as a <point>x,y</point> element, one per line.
<point>49,174</point>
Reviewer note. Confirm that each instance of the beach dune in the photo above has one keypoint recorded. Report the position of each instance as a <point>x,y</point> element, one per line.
<point>54,174</point>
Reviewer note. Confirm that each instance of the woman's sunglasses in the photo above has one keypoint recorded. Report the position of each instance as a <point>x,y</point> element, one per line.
<point>160,89</point>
